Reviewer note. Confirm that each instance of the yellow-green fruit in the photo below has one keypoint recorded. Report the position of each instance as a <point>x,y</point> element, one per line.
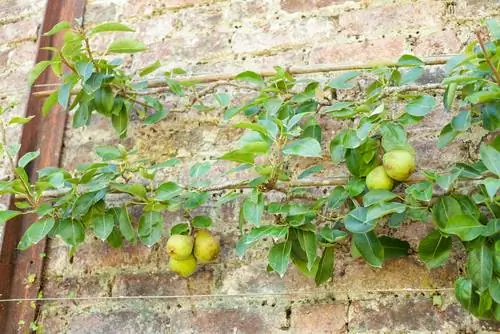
<point>180,247</point>
<point>399,164</point>
<point>206,246</point>
<point>183,268</point>
<point>378,179</point>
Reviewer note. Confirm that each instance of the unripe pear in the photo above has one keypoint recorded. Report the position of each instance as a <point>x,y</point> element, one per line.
<point>206,246</point>
<point>180,247</point>
<point>399,164</point>
<point>378,179</point>
<point>183,268</point>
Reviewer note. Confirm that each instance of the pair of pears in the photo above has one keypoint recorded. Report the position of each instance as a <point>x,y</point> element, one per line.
<point>397,165</point>
<point>186,251</point>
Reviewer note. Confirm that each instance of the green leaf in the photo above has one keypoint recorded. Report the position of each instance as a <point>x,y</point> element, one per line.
<point>175,87</point>
<point>492,228</point>
<point>63,94</point>
<point>465,227</point>
<point>382,209</point>
<point>7,215</point>
<point>344,81</point>
<point>124,223</point>
<point>115,238</point>
<point>238,156</point>
<point>357,222</point>
<point>376,196</point>
<point>168,190</point>
<point>126,45</point>
<point>309,171</point>
<point>20,120</point>
<point>120,122</point>
<point>36,232</point>
<point>337,149</point>
<point>409,60</point>
<point>490,117</point>
<point>49,103</point>
<point>103,224</point>
<point>394,247</point>
<point>138,190</point>
<point>37,70</point>
<point>71,231</point>
<point>393,136</point>
<point>223,99</point>
<point>351,139</point>
<point>449,96</point>
<point>465,293</point>
<point>370,248</point>
<point>434,249</point>
<point>150,227</point>
<point>421,191</point>
<point>420,106</point>
<point>27,158</point>
<point>411,75</point>
<point>446,136</point>
<point>480,266</point>
<point>150,68</point>
<point>336,197</point>
<point>83,203</point>
<point>495,289</point>
<point>330,235</point>
<point>306,147</point>
<point>181,228</point>
<point>104,100</point>
<point>491,185</point>
<point>250,77</point>
<point>257,233</point>
<point>109,27</point>
<point>195,199</point>
<point>156,117</point>
<point>325,268</point>
<point>165,164</point>
<point>82,115</point>
<point>63,25</point>
<point>462,121</point>
<point>107,153</point>
<point>279,256</point>
<point>273,105</point>
<point>307,240</point>
<point>201,222</point>
<point>254,127</point>
<point>252,211</point>
<point>355,186</point>
<point>199,169</point>
<point>491,158</point>
<point>444,208</point>
<point>84,69</point>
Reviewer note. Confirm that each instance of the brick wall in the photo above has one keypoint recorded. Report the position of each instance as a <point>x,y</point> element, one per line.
<point>19,24</point>
<point>233,295</point>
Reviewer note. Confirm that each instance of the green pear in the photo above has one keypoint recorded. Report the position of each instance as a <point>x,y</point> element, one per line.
<point>180,247</point>
<point>378,179</point>
<point>399,164</point>
<point>183,268</point>
<point>206,246</point>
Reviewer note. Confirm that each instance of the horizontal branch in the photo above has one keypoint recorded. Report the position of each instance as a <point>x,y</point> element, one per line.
<point>309,69</point>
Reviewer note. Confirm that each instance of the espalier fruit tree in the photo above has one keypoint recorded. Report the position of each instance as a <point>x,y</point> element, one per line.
<point>281,121</point>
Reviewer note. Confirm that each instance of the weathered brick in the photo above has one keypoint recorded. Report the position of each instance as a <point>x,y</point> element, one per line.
<point>285,34</point>
<point>152,7</point>
<point>319,318</point>
<point>397,17</point>
<point>411,314</point>
<point>163,284</point>
<point>437,44</point>
<point>359,52</point>
<point>23,29</point>
<point>294,6</point>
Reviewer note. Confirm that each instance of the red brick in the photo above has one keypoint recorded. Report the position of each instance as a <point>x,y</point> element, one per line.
<point>391,18</point>
<point>436,44</point>
<point>359,53</point>
<point>294,6</point>
<point>319,319</point>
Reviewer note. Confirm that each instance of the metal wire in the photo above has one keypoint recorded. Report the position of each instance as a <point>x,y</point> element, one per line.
<point>238,295</point>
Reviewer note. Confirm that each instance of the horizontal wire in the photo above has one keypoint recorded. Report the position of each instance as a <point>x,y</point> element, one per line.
<point>238,295</point>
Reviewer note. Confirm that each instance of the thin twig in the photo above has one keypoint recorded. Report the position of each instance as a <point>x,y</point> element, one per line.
<point>293,70</point>
<point>487,56</point>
